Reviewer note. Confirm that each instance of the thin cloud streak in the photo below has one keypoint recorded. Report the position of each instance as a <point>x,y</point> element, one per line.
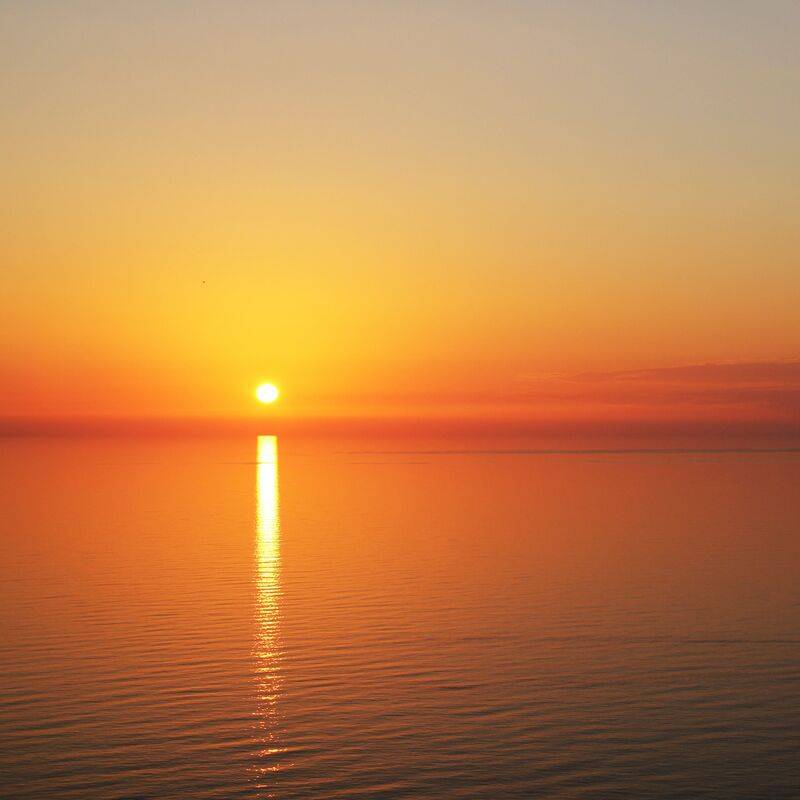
<point>769,386</point>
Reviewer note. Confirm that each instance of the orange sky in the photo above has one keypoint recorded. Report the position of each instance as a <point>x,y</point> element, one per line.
<point>520,210</point>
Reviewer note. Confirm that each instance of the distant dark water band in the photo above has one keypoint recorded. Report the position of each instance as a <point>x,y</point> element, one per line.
<point>587,452</point>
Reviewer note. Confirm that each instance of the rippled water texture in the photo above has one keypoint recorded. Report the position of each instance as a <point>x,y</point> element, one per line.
<point>298,619</point>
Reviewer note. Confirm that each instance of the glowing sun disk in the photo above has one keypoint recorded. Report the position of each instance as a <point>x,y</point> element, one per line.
<point>267,393</point>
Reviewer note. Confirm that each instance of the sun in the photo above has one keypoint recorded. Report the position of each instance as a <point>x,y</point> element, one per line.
<point>267,393</point>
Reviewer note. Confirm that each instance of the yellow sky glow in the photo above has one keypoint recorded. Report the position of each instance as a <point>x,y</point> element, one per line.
<point>395,208</point>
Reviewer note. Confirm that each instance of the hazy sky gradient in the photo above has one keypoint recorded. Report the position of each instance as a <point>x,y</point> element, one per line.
<point>382,205</point>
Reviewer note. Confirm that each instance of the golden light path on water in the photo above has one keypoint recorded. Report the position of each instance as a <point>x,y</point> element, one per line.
<point>268,591</point>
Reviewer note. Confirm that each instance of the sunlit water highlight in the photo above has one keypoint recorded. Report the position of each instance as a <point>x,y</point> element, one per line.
<point>231,618</point>
<point>268,590</point>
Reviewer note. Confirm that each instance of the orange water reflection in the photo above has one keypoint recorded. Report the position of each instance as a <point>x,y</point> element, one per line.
<point>268,592</point>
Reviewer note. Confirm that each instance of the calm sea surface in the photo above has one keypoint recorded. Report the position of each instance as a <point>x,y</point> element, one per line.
<point>262,618</point>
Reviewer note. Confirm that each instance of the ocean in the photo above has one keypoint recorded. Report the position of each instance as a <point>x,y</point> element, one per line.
<point>289,617</point>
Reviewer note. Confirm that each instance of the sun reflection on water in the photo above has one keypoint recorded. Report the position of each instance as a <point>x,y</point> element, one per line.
<point>268,591</point>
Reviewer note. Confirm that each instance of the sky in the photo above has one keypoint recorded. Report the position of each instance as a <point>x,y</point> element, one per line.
<point>577,210</point>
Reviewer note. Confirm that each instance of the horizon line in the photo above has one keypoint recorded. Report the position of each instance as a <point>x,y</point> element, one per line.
<point>394,425</point>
